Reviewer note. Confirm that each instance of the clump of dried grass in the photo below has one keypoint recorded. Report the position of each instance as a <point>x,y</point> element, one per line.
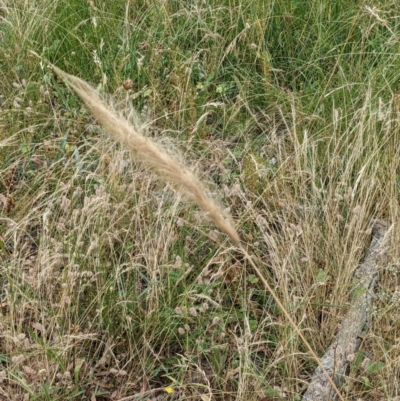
<point>150,154</point>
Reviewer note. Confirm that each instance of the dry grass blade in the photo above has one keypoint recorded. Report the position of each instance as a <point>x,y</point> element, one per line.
<point>149,153</point>
<point>7,141</point>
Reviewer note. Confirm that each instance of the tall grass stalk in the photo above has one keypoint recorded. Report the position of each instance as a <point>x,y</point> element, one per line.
<point>156,158</point>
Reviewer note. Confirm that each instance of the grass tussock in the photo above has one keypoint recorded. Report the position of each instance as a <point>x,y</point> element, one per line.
<point>112,286</point>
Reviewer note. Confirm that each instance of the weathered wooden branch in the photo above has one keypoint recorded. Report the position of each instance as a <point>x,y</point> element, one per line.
<point>355,323</point>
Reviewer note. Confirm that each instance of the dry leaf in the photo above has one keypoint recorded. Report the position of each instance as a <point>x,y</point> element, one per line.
<point>39,327</point>
<point>127,84</point>
<point>29,370</point>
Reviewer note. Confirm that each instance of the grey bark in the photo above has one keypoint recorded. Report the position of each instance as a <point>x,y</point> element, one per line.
<point>355,323</point>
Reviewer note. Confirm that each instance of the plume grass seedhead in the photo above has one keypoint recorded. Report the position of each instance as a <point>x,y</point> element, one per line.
<point>149,153</point>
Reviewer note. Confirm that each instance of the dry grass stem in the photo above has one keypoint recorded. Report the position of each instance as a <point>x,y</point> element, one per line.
<point>292,323</point>
<point>158,160</point>
<point>149,153</point>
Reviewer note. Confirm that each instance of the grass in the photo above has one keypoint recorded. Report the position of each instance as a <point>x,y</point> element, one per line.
<point>116,287</point>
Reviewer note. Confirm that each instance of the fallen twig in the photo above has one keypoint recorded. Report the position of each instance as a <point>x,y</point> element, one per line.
<point>337,357</point>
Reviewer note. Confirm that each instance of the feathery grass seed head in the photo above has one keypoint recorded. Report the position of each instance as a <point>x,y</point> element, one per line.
<point>149,153</point>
